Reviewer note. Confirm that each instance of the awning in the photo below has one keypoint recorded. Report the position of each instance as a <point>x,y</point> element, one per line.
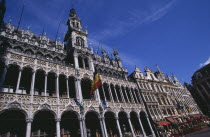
<point>171,119</point>
<point>163,123</point>
<point>197,116</point>
<point>183,123</point>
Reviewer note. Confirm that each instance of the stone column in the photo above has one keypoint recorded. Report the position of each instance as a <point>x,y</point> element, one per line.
<point>142,128</point>
<point>129,120</point>
<point>3,76</point>
<point>153,134</point>
<point>116,94</point>
<point>32,82</point>
<point>102,127</point>
<point>18,81</point>
<point>57,85</point>
<point>78,89</point>
<point>67,86</point>
<point>127,95</point>
<point>28,127</point>
<point>45,85</point>
<point>135,96</point>
<point>83,62</point>
<point>81,127</point>
<point>58,132</point>
<point>105,130</point>
<point>118,126</point>
<point>84,127</point>
<point>131,95</point>
<point>102,86</point>
<point>110,93</point>
<point>123,98</point>
<point>76,63</point>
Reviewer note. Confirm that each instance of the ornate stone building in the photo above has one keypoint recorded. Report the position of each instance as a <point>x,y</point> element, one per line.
<point>200,88</point>
<point>165,98</point>
<point>40,80</point>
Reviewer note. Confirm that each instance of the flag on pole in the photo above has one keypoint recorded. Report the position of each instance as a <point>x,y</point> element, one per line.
<point>104,104</point>
<point>76,101</point>
<point>96,82</point>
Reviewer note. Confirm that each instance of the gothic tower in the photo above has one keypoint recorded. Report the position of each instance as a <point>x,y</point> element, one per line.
<point>75,36</point>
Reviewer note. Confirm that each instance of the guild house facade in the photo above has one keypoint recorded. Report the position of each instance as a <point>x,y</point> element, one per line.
<point>45,89</point>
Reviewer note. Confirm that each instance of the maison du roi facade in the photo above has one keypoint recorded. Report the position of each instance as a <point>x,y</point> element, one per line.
<point>40,79</point>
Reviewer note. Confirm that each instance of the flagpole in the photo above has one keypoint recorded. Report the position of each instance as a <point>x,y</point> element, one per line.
<point>21,15</point>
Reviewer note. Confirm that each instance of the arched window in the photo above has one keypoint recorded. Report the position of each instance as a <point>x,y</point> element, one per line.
<point>80,42</point>
<point>80,60</point>
<point>86,63</point>
<point>86,87</point>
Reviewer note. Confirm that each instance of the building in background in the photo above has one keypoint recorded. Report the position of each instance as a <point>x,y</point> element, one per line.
<point>45,89</point>
<point>166,99</point>
<point>200,88</point>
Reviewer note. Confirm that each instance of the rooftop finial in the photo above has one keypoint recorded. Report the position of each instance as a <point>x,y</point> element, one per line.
<point>73,13</point>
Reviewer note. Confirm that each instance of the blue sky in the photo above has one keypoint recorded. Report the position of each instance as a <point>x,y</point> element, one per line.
<point>175,34</point>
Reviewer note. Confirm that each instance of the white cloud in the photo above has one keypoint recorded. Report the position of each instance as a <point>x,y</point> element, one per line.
<point>136,18</point>
<point>205,63</point>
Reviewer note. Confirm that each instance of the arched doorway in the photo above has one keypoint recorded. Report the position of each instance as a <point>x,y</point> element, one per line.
<point>43,124</point>
<point>11,79</point>
<point>113,92</point>
<point>25,81</point>
<point>51,84</point>
<point>39,82</point>
<point>135,122</point>
<point>111,124</point>
<point>86,87</point>
<point>93,129</point>
<point>145,123</point>
<point>70,126</point>
<point>106,91</point>
<point>62,86</point>
<point>124,94</point>
<point>12,123</point>
<point>118,93</point>
<point>72,91</point>
<point>124,124</point>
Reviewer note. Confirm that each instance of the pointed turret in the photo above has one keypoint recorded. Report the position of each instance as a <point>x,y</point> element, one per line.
<point>117,58</point>
<point>137,73</point>
<point>176,81</point>
<point>158,69</point>
<point>103,52</point>
<point>159,74</point>
<point>169,78</point>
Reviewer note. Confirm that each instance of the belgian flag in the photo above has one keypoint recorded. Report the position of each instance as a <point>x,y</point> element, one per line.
<point>96,82</point>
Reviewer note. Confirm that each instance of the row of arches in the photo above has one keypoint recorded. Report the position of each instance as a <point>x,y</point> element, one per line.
<point>117,93</point>
<point>45,124</point>
<point>38,54</point>
<point>110,73</point>
<point>25,80</point>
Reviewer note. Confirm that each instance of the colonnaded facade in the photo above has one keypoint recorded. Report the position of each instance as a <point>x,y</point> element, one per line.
<point>40,79</point>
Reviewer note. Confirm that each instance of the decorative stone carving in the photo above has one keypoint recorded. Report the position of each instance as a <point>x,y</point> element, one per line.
<point>14,106</point>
